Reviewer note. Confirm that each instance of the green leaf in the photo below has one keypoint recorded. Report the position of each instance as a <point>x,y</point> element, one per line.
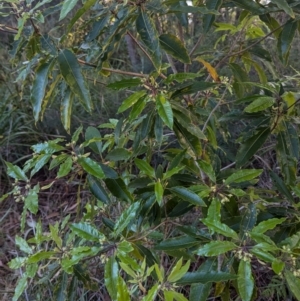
<point>118,189</point>
<point>31,200</point>
<point>61,290</point>
<point>220,228</point>
<point>55,235</point>
<point>248,220</point>
<point>151,295</point>
<point>122,290</point>
<point>149,36</point>
<point>172,172</point>
<point>92,133</point>
<point>118,154</point>
<point>20,287</point>
<point>126,217</point>
<point>143,166</point>
<point>97,190</point>
<point>39,256</point>
<point>86,231</point>
<point>159,192</point>
<point>172,45</point>
<point>91,167</point>
<point>65,168</point>
<point>179,242</point>
<point>259,104</point>
<point>68,5</point>
<point>245,280</point>
<point>125,84</point>
<point>270,224</point>
<point>285,40</point>
<point>195,87</point>
<point>40,162</point>
<point>66,109</point>
<point>71,72</point>
<point>137,108</point>
<point>252,6</point>
<point>177,159</point>
<point>23,245</point>
<point>178,270</point>
<point>111,277</point>
<point>131,100</point>
<point>164,110</point>
<point>39,86</point>
<point>15,172</point>
<point>187,195</point>
<point>282,4</point>
<point>97,28</point>
<point>215,248</point>
<point>278,266</point>
<point>293,284</point>
<point>243,176</point>
<point>251,146</point>
<point>280,185</point>
<point>208,170</point>
<point>205,277</point>
<point>200,291</point>
<point>17,262</point>
<point>208,19</point>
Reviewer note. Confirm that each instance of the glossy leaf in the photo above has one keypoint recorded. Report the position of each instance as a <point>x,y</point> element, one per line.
<point>260,104</point>
<point>164,110</point>
<point>31,200</point>
<point>283,4</point>
<point>145,167</point>
<point>125,84</point>
<point>270,224</point>
<point>208,170</point>
<point>118,188</point>
<point>172,45</point>
<point>91,167</point>
<point>86,231</point>
<point>151,295</point>
<point>245,280</point>
<point>91,133</point>
<point>15,172</point>
<point>65,168</point>
<point>280,185</point>
<point>293,284</point>
<point>39,256</point>
<point>97,28</point>
<point>208,19</point>
<point>122,291</point>
<point>178,270</point>
<point>159,191</point>
<point>243,175</point>
<point>216,248</point>
<point>131,100</point>
<point>187,195</point>
<point>111,274</point>
<point>71,72</point>
<point>126,217</point>
<point>278,266</point>
<point>39,87</point>
<point>251,146</point>
<point>149,36</point>
<point>20,287</point>
<point>205,277</point>
<point>97,190</point>
<point>220,228</point>
<point>23,245</point>
<point>118,154</point>
<point>68,5</point>
<point>195,87</point>
<point>66,109</point>
<point>180,242</point>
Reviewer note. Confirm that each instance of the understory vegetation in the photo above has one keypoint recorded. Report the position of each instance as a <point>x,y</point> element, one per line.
<point>149,150</point>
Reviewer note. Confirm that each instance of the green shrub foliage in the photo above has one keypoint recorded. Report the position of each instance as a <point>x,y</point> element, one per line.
<point>193,185</point>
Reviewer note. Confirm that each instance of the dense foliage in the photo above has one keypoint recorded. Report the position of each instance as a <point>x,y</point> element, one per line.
<point>193,184</point>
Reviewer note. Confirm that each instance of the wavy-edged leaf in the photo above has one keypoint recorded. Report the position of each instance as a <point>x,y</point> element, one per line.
<point>126,217</point>
<point>91,167</point>
<point>39,256</point>
<point>245,280</point>
<point>187,195</point>
<point>15,172</point>
<point>86,231</point>
<point>122,290</point>
<point>251,146</point>
<point>65,168</point>
<point>145,167</point>
<point>147,31</point>
<point>164,110</point>
<point>178,270</point>
<point>152,293</point>
<point>243,175</point>
<point>172,45</point>
<point>97,28</point>
<point>259,104</point>
<point>20,287</point>
<point>282,4</point>
<point>39,87</point>
<point>216,248</point>
<point>270,224</point>
<point>111,274</point>
<point>71,72</point>
<point>293,284</point>
<point>118,154</point>
<point>93,133</point>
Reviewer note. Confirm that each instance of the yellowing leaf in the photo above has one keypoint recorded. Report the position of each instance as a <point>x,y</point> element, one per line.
<point>211,70</point>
